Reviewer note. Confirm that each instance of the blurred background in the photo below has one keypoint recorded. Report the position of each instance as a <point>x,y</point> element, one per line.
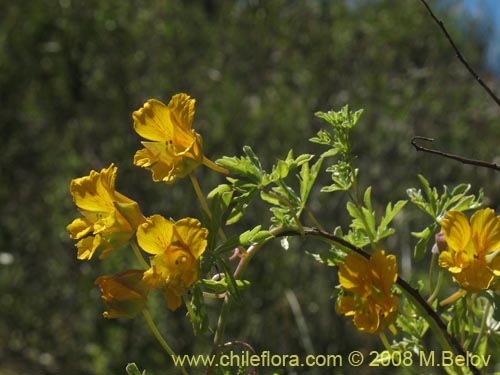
<point>72,72</point>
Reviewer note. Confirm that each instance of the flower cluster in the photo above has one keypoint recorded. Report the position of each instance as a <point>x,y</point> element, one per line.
<point>110,220</point>
<point>175,149</point>
<point>369,283</point>
<point>472,248</point>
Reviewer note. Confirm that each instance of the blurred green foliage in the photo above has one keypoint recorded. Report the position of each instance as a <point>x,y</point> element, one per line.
<point>71,73</point>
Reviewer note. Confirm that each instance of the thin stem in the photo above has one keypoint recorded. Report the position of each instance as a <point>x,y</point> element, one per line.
<point>219,333</point>
<point>440,23</point>
<point>199,193</point>
<point>470,321</point>
<point>458,294</point>
<point>252,250</point>
<point>189,308</point>
<point>300,321</point>
<point>210,164</point>
<point>385,342</point>
<point>437,288</point>
<point>221,323</point>
<point>482,328</point>
<point>160,338</point>
<point>203,201</point>
<point>431,271</point>
<point>478,163</point>
<point>313,218</point>
<point>138,255</point>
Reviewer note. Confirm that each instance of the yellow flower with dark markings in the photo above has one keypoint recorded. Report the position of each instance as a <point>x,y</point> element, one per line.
<point>109,218</point>
<point>473,248</point>
<point>125,293</point>
<point>175,149</point>
<point>176,248</point>
<point>369,284</point>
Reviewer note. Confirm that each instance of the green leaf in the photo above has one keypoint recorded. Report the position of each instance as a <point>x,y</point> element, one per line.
<point>383,229</point>
<point>289,195</point>
<point>220,286</point>
<point>132,369</point>
<point>252,157</point>
<point>324,138</point>
<point>283,167</point>
<point>431,193</point>
<point>229,245</point>
<point>220,199</point>
<point>342,177</point>
<point>232,286</point>
<point>363,218</point>
<point>423,243</point>
<point>248,165</point>
<point>242,201</point>
<point>254,236</point>
<point>435,205</point>
<point>198,314</point>
<point>270,198</point>
<point>307,177</point>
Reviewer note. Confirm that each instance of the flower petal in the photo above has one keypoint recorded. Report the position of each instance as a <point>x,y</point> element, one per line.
<point>192,236</point>
<point>125,293</point>
<point>447,260</point>
<point>347,306</point>
<point>152,121</point>
<point>384,270</point>
<point>95,192</point>
<point>88,246</point>
<point>182,111</point>
<point>79,228</point>
<point>475,278</point>
<point>353,274</point>
<point>456,230</point>
<point>367,318</point>
<point>155,235</point>
<point>173,299</point>
<point>485,231</point>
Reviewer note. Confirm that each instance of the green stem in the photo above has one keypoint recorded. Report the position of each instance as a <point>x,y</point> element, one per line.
<point>199,194</point>
<point>313,218</point>
<point>252,250</point>
<point>385,342</point>
<point>431,271</point>
<point>470,320</point>
<point>138,255</point>
<point>160,338</point>
<point>219,333</point>
<point>483,326</point>
<point>189,308</point>
<point>437,288</point>
<point>203,201</point>
<point>221,323</point>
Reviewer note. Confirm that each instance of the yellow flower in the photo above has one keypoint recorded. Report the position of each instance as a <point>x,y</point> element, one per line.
<point>176,249</point>
<point>471,256</point>
<point>176,149</point>
<point>369,283</point>
<point>109,218</point>
<point>125,293</point>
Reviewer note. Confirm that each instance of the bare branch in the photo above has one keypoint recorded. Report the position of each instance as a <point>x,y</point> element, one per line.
<point>459,54</point>
<point>479,163</point>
